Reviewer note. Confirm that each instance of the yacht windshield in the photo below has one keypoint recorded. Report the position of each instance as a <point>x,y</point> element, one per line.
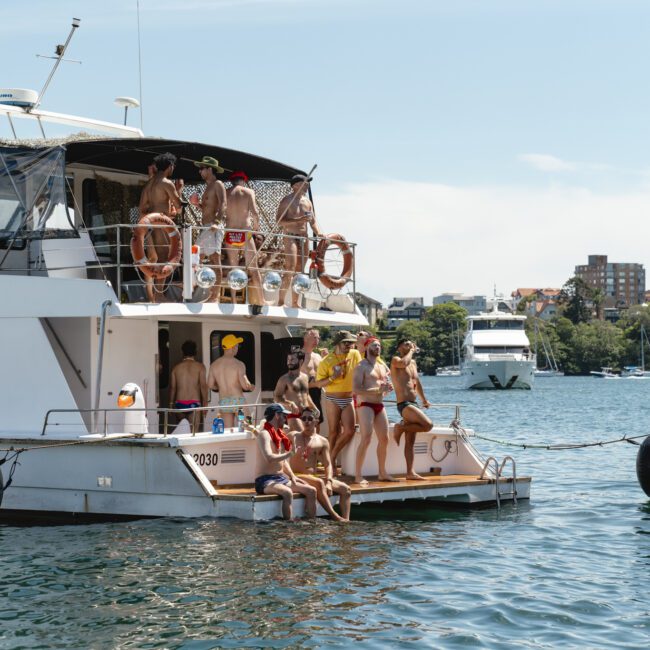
<point>498,325</point>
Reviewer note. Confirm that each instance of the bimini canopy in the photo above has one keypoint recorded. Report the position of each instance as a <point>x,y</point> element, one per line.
<point>135,155</point>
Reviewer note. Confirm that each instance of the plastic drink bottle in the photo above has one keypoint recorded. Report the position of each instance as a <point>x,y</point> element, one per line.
<point>240,419</point>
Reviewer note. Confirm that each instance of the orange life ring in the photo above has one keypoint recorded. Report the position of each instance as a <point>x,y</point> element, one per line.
<point>140,258</point>
<point>326,279</point>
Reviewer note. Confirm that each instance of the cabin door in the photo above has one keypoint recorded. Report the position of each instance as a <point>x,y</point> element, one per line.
<point>171,336</point>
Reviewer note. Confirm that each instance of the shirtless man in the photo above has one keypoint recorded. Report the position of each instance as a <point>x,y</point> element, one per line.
<point>292,390</point>
<point>310,341</point>
<point>161,195</point>
<point>370,383</point>
<point>311,449</point>
<point>407,388</point>
<point>335,376</point>
<point>188,388</point>
<point>213,208</point>
<point>228,376</point>
<point>242,217</point>
<point>276,475</point>
<point>294,213</point>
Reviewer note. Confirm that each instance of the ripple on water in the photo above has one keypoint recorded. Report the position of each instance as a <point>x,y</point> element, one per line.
<point>571,569</point>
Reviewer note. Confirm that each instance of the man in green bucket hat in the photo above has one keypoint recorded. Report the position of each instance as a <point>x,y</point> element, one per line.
<point>213,208</point>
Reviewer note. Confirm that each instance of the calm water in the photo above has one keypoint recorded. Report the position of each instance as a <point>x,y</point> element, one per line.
<point>569,569</point>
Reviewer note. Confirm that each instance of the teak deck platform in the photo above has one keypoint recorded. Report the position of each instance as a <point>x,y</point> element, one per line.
<point>391,490</point>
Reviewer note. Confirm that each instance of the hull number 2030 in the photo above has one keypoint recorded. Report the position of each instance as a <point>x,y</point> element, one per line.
<point>206,459</point>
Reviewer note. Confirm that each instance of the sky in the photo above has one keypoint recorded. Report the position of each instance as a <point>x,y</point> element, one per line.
<point>462,144</point>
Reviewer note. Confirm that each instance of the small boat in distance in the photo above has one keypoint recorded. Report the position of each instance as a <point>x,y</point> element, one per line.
<point>604,373</point>
<point>638,372</point>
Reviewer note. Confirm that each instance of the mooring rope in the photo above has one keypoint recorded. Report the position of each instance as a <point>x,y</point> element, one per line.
<point>564,445</point>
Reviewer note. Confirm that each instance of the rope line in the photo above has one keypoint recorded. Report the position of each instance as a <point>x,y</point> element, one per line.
<point>564,445</point>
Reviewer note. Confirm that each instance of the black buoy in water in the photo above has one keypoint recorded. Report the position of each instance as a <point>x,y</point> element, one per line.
<point>643,465</point>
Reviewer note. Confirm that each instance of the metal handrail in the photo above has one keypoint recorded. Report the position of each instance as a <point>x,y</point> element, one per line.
<point>492,459</point>
<point>164,411</point>
<point>119,265</point>
<point>514,477</point>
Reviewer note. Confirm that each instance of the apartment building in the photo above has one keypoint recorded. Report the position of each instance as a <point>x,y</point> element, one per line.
<point>622,283</point>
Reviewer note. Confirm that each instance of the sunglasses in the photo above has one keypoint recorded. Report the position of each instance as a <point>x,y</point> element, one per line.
<point>307,418</point>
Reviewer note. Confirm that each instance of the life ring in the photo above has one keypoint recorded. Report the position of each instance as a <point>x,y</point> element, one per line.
<point>325,278</point>
<point>140,258</point>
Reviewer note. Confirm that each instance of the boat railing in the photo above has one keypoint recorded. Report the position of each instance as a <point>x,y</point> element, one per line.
<point>276,264</point>
<point>159,421</point>
<point>163,421</point>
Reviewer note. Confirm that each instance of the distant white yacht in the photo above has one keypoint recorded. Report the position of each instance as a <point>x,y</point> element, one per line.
<point>497,352</point>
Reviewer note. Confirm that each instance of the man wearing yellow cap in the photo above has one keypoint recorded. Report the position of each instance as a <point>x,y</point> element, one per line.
<point>227,375</point>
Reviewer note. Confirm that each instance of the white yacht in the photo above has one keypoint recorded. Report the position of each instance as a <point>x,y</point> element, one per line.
<point>84,426</point>
<point>497,352</point>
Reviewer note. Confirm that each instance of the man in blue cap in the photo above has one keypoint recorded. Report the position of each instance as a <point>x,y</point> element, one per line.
<point>277,476</point>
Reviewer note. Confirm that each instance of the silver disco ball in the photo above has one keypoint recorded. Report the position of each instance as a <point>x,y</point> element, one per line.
<point>237,279</point>
<point>301,283</point>
<point>205,277</point>
<point>272,281</point>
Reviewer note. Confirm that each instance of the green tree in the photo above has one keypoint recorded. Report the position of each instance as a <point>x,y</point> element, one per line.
<point>433,334</point>
<point>576,299</point>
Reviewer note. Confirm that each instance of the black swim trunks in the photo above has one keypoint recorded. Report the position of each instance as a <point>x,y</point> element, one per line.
<point>315,394</point>
<point>402,405</point>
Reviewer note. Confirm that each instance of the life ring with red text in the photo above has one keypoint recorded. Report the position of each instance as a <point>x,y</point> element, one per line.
<point>138,252</point>
<point>327,280</point>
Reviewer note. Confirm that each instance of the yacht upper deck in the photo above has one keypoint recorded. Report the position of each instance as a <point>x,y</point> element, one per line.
<point>69,210</point>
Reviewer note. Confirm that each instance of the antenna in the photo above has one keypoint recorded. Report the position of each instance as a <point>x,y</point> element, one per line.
<point>59,52</point>
<point>127,102</point>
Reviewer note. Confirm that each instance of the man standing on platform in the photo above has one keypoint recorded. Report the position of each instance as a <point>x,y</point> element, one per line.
<point>213,205</point>
<point>242,218</point>
<point>292,390</point>
<point>162,195</point>
<point>188,388</point>
<point>227,374</point>
<point>294,212</point>
<point>335,376</point>
<point>407,388</point>
<point>370,383</point>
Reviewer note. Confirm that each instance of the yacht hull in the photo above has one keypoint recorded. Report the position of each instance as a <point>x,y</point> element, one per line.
<point>499,374</point>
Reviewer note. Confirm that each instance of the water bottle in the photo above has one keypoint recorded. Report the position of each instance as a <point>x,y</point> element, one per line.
<point>217,426</point>
<point>240,419</point>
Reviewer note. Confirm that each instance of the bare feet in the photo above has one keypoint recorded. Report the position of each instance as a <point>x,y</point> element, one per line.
<point>389,478</point>
<point>397,432</point>
<point>415,477</point>
<point>337,517</point>
<point>361,481</point>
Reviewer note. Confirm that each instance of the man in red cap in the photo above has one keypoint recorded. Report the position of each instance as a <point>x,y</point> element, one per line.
<point>294,213</point>
<point>242,218</point>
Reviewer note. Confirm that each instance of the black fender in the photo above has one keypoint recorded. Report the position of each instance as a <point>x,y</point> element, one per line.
<point>643,465</point>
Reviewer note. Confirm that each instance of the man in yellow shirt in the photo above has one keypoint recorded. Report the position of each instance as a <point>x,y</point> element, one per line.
<point>335,376</point>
